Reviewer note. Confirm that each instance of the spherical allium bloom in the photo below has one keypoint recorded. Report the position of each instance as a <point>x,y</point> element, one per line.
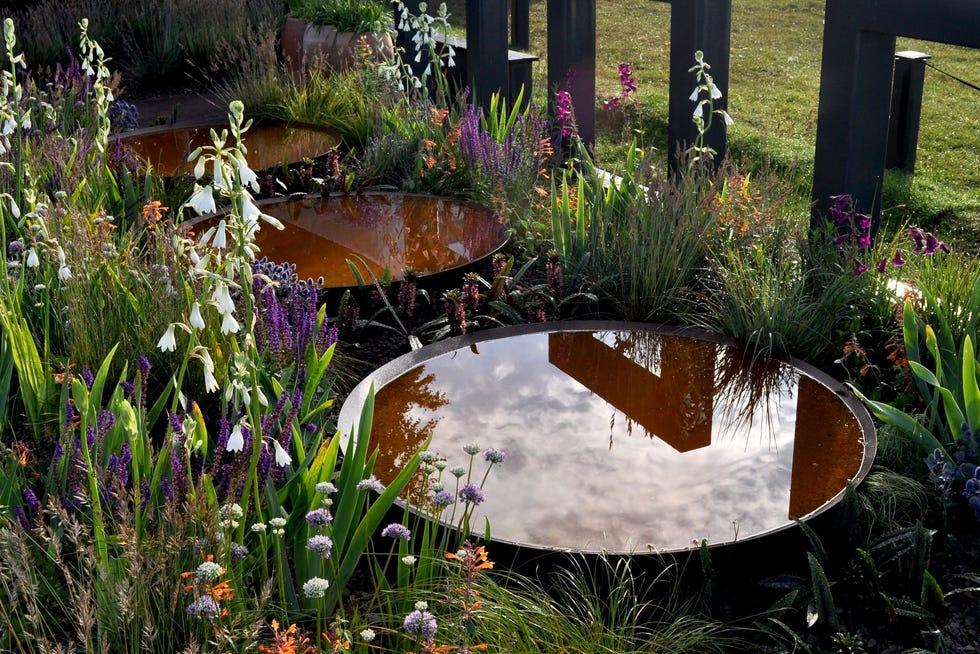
<point>325,488</point>
<point>409,560</point>
<point>436,486</point>
<point>315,587</point>
<point>494,455</point>
<point>443,498</point>
<point>440,465</point>
<point>318,518</point>
<point>421,624</point>
<point>367,635</point>
<point>457,471</point>
<point>204,606</point>
<point>426,456</point>
<point>472,449</point>
<point>397,530</point>
<point>259,528</point>
<point>371,483</point>
<point>472,493</point>
<point>238,552</point>
<point>208,572</point>
<point>320,544</point>
<point>421,605</point>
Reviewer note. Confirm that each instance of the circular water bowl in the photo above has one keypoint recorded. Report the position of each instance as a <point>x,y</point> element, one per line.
<point>167,148</point>
<point>621,438</point>
<point>386,231</point>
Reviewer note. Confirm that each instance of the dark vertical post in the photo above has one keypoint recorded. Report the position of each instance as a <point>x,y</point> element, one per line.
<point>571,58</point>
<point>520,24</point>
<point>906,109</point>
<point>852,118</point>
<point>704,25</point>
<point>486,45</point>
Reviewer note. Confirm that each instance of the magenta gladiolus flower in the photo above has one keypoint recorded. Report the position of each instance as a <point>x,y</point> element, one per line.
<point>897,260</point>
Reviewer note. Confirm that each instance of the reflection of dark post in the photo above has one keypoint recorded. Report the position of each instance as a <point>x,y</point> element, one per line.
<point>520,24</point>
<point>403,41</point>
<point>827,448</point>
<point>675,406</point>
<point>697,25</point>
<point>571,58</point>
<point>906,109</point>
<point>486,46</point>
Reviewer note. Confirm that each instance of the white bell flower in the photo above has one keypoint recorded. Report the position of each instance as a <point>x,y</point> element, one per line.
<point>168,342</point>
<point>236,441</point>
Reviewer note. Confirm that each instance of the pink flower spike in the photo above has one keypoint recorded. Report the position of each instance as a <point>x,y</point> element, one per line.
<point>897,260</point>
<point>859,268</point>
<point>864,240</point>
<point>882,267</point>
<point>864,221</point>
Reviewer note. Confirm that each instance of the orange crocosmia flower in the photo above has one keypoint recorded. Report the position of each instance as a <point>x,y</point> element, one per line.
<point>222,591</point>
<point>439,116</point>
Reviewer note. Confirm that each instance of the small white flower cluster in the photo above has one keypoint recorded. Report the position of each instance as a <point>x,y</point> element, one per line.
<point>229,516</point>
<point>316,587</point>
<point>278,526</point>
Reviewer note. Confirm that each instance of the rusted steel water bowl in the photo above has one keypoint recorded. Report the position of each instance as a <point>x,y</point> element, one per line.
<point>620,438</point>
<point>385,231</point>
<point>269,144</point>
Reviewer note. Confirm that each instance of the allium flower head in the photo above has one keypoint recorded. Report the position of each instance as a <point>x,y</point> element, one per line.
<point>208,571</point>
<point>320,544</point>
<point>205,607</point>
<point>325,488</point>
<point>472,449</point>
<point>397,530</point>
<point>367,635</point>
<point>315,587</point>
<point>443,498</point>
<point>371,483</point>
<point>472,493</point>
<point>421,624</point>
<point>318,518</point>
<point>493,455</point>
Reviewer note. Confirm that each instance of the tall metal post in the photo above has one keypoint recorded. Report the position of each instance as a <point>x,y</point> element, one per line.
<point>571,58</point>
<point>486,45</point>
<point>704,25</point>
<point>520,24</point>
<point>906,110</point>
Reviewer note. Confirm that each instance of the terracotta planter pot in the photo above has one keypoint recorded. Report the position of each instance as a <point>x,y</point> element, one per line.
<point>306,46</point>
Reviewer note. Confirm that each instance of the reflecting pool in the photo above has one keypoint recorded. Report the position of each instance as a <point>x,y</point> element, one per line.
<point>622,437</point>
<point>385,231</point>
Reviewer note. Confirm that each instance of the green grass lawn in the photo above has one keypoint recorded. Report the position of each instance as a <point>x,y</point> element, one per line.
<point>775,80</point>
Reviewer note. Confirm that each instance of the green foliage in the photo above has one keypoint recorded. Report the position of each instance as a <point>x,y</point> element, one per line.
<point>345,15</point>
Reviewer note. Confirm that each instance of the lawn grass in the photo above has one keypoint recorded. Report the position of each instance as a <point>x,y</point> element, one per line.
<point>775,81</point>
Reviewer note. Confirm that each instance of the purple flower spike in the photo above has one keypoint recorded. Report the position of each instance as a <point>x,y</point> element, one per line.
<point>859,268</point>
<point>397,530</point>
<point>864,240</point>
<point>864,221</point>
<point>897,260</point>
<point>882,266</point>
